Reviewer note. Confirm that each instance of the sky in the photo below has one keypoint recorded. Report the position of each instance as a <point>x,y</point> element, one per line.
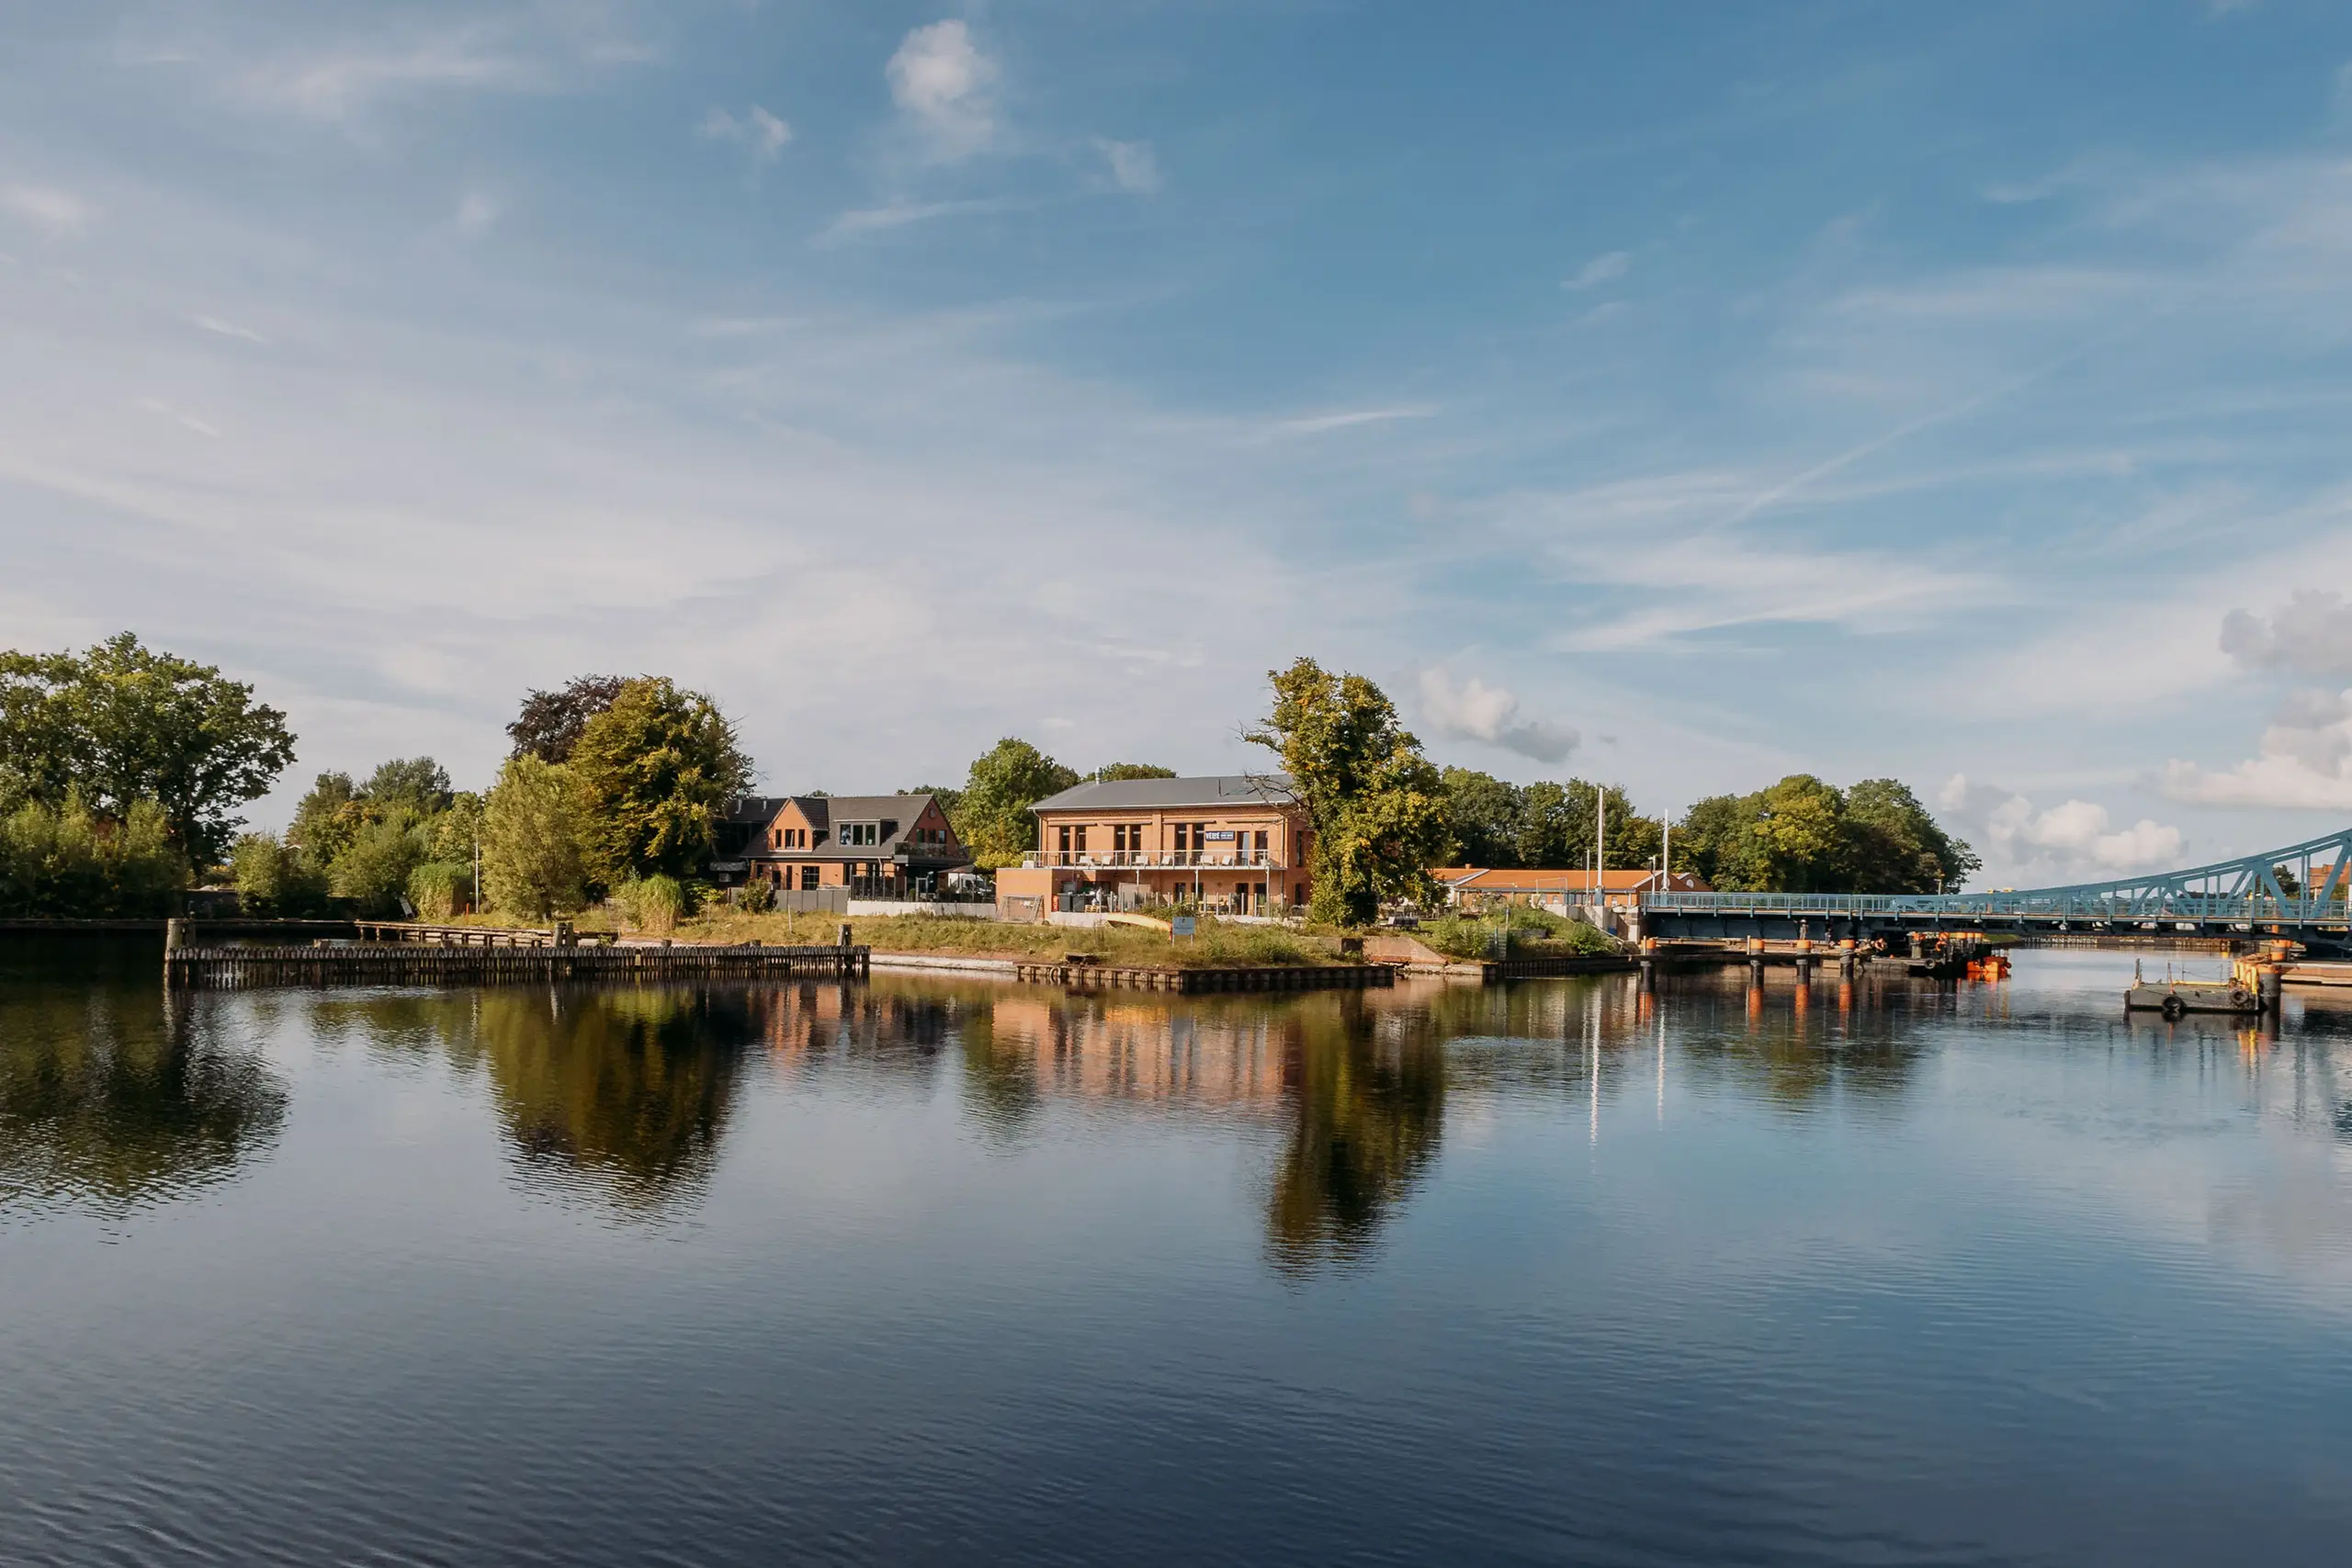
<point>1678,396</point>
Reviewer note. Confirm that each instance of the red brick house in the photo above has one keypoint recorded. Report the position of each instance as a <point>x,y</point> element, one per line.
<point>877,846</point>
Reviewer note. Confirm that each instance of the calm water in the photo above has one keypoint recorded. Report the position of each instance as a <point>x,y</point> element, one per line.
<point>945,1272</point>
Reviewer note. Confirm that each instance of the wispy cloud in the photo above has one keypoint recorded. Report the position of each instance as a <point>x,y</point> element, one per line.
<point>1490,716</point>
<point>1133,167</point>
<point>477,210</point>
<point>533,47</point>
<point>944,82</point>
<point>55,212</point>
<point>214,324</point>
<point>900,215</point>
<point>184,419</point>
<point>761,135</point>
<point>1317,425</point>
<point>1605,268</point>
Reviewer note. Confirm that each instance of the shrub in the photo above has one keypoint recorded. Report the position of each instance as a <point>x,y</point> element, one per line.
<point>437,887</point>
<point>66,860</point>
<point>652,903</point>
<point>759,896</point>
<point>276,879</point>
<point>373,870</point>
<point>1535,933</point>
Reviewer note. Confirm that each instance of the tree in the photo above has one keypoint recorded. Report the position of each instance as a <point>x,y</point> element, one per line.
<point>532,860</point>
<point>655,771</point>
<point>1804,836</point>
<point>121,723</point>
<point>550,723</point>
<point>1485,814</point>
<point>1377,806</point>
<point>992,816</point>
<point>419,784</point>
<point>66,860</point>
<point>1110,773</point>
<point>373,870</point>
<point>1556,824</point>
<point>1894,846</point>
<point>326,818</point>
<point>276,879</point>
<point>948,797</point>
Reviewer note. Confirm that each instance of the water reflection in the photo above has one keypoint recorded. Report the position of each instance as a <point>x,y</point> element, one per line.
<point>111,1103</point>
<point>617,1098</point>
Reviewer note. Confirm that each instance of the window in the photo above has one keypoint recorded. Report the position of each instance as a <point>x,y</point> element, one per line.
<point>1065,838</point>
<point>808,879</point>
<point>776,839</point>
<point>1081,837</point>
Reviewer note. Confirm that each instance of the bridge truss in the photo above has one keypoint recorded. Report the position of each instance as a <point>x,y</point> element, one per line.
<point>2302,885</point>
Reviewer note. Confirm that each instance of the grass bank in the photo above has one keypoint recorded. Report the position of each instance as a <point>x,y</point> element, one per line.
<point>1218,945</point>
<point>1532,933</point>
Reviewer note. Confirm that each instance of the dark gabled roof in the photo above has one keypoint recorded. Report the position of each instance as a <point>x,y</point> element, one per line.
<point>825,811</point>
<point>1214,793</point>
<point>754,810</point>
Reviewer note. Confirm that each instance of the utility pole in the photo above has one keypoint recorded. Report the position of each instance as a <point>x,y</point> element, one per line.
<point>1600,851</point>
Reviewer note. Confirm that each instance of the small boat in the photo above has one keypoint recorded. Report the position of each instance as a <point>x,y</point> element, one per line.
<point>2177,998</point>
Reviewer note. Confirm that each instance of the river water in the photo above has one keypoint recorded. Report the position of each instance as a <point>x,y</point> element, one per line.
<point>919,1271</point>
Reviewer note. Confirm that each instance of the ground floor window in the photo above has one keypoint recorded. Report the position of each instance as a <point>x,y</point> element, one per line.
<point>808,879</point>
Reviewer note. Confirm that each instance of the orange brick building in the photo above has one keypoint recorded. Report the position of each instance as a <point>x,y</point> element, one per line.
<point>877,846</point>
<point>1231,844</point>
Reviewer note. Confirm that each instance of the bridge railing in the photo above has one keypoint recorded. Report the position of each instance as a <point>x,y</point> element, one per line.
<point>2052,904</point>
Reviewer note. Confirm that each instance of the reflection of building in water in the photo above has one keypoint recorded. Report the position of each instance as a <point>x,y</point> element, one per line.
<point>1357,1091</point>
<point>1114,1049</point>
<point>107,1101</point>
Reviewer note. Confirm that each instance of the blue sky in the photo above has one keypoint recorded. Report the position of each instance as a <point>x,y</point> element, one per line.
<point>1683,396</point>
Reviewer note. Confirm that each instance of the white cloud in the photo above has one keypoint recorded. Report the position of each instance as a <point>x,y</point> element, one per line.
<point>59,213</point>
<point>2311,634</point>
<point>760,134</point>
<point>899,215</point>
<point>226,329</point>
<point>940,78</point>
<point>1133,165</point>
<point>1316,425</point>
<point>343,82</point>
<point>477,210</point>
<point>1489,715</point>
<point>2075,841</point>
<point>2304,763</point>
<point>1600,269</point>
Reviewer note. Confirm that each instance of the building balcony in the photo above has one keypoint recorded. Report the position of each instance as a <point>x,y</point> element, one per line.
<point>1151,860</point>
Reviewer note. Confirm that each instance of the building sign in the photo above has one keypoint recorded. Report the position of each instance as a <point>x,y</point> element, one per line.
<point>1182,925</point>
<point>1219,835</point>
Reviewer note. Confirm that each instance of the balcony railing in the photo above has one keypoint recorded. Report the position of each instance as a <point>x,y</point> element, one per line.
<point>1151,860</point>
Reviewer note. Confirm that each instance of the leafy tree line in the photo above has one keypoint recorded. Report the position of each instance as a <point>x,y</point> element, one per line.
<point>614,787</point>
<point>1804,836</point>
<point>122,770</point>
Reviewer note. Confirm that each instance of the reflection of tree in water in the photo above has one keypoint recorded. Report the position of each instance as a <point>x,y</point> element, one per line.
<point>1368,1107</point>
<point>628,1090</point>
<point>109,1101</point>
<point>999,1080</point>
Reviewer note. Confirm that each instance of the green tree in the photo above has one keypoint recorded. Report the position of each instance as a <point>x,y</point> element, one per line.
<point>532,863</point>
<point>551,722</point>
<point>66,860</point>
<point>1110,773</point>
<point>1486,815</point>
<point>1377,806</point>
<point>1557,825</point>
<point>419,784</point>
<point>655,771</point>
<point>276,879</point>
<point>1892,845</point>
<point>326,818</point>
<point>992,816</point>
<point>121,723</point>
<point>373,870</point>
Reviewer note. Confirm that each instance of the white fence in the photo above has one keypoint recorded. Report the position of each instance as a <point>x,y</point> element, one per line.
<point>956,910</point>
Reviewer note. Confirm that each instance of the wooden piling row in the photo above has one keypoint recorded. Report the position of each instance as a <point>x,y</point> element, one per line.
<point>406,964</point>
<point>1194,982</point>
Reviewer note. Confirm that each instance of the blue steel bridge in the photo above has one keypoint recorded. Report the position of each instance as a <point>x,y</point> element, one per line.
<point>2297,892</point>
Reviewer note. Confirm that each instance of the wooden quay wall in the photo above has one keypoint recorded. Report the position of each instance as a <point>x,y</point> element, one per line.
<point>1194,982</point>
<point>418,964</point>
